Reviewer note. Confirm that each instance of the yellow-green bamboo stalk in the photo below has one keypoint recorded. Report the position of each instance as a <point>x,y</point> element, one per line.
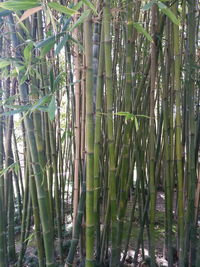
<point>89,135</point>
<point>127,127</point>
<point>77,121</point>
<point>97,144</point>
<point>111,147</point>
<point>38,172</point>
<point>38,230</point>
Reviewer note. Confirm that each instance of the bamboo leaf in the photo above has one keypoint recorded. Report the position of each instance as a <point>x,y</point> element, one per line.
<point>66,25</point>
<point>40,102</point>
<point>90,5</point>
<point>81,19</point>
<point>58,79</point>
<point>127,115</point>
<point>16,111</point>
<point>62,9</point>
<point>61,44</point>
<point>76,42</point>
<point>45,41</point>
<point>78,5</point>
<point>48,40</point>
<point>47,48</point>
<point>9,168</point>
<point>4,63</point>
<point>52,108</point>
<point>136,124</point>
<point>168,13</point>
<point>23,79</point>
<point>29,12</point>
<point>19,5</point>
<point>9,100</point>
<point>141,30</point>
<point>28,52</point>
<point>16,167</point>
<point>51,77</point>
<point>63,136</point>
<point>23,27</point>
<point>148,5</point>
<point>121,113</point>
<point>15,72</point>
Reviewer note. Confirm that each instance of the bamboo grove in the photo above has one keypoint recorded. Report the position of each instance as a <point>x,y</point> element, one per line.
<point>99,122</point>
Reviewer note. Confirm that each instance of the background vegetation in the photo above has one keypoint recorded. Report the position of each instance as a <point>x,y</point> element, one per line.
<point>99,132</point>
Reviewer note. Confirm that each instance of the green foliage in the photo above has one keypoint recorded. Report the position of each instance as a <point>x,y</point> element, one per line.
<point>132,117</point>
<point>61,44</point>
<point>28,53</point>
<point>4,63</point>
<point>81,19</point>
<point>90,5</point>
<point>46,41</point>
<point>52,108</point>
<point>41,102</point>
<point>19,4</point>
<point>47,48</point>
<point>141,30</point>
<point>148,5</point>
<point>168,13</point>
<point>166,10</point>
<point>47,44</point>
<point>13,167</point>
<point>62,9</point>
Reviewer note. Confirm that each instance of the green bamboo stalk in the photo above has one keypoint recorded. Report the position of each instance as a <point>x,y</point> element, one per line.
<point>97,145</point>
<point>38,232</point>
<point>77,121</point>
<point>56,187</point>
<point>24,217</point>
<point>49,166</point>
<point>38,172</point>
<point>9,189</point>
<point>44,84</point>
<point>11,233</point>
<point>111,147</point>
<point>168,180</point>
<point>42,196</point>
<point>89,143</point>
<point>3,261</point>
<point>127,128</point>
<point>190,83</point>
<point>77,230</point>
<point>16,183</point>
<point>133,209</point>
<point>16,152</point>
<point>177,90</point>
<point>3,256</point>
<point>105,233</point>
<point>152,186</point>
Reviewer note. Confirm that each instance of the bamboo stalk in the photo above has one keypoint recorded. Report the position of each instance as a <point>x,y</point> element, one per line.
<point>89,135</point>
<point>77,121</point>
<point>111,147</point>
<point>192,179</point>
<point>152,184</point>
<point>97,145</point>
<point>177,90</point>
